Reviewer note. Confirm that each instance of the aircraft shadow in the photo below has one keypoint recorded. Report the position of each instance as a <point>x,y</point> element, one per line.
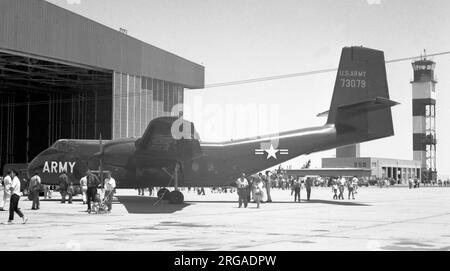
<point>148,205</point>
<point>332,202</point>
<point>336,202</point>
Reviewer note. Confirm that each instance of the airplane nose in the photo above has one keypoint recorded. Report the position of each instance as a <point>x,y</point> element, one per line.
<point>33,166</point>
<point>30,168</point>
<point>36,164</point>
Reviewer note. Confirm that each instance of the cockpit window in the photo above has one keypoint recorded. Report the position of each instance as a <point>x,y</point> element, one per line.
<point>61,145</point>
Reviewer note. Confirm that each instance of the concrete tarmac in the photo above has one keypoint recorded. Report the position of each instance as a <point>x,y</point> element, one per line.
<point>379,219</point>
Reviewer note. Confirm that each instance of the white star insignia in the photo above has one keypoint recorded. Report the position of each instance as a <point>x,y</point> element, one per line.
<point>271,152</point>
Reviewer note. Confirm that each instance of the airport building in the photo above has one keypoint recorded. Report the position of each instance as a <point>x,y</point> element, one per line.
<point>65,76</point>
<point>379,167</point>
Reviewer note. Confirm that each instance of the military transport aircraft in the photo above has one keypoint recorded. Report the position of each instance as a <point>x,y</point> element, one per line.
<point>360,111</point>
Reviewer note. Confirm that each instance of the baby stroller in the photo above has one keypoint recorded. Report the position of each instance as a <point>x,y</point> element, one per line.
<point>99,205</point>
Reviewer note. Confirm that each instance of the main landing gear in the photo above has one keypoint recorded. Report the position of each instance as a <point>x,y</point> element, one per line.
<point>163,193</point>
<point>174,197</point>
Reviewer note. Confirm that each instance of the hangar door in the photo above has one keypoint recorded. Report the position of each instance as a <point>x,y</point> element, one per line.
<point>42,101</point>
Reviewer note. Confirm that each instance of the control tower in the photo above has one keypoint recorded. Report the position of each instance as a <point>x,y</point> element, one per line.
<point>424,117</point>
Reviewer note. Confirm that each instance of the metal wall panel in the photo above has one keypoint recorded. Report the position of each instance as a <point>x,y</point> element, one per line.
<point>154,99</point>
<point>149,100</point>
<point>138,100</point>
<point>116,105</point>
<point>160,98</point>
<point>43,29</point>
<point>124,106</point>
<point>130,130</point>
<point>144,105</point>
<point>170,100</point>
<point>137,107</point>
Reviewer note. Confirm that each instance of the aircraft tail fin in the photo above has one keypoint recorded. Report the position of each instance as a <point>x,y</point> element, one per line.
<point>360,106</point>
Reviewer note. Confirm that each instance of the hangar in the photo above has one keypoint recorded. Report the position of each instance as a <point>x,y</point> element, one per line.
<point>65,76</point>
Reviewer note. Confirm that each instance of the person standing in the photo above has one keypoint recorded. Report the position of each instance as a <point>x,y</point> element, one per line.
<point>335,188</point>
<point>308,185</point>
<point>47,192</point>
<point>341,185</point>
<point>70,190</point>
<point>83,184</point>
<point>242,187</point>
<point>15,197</point>
<point>350,189</point>
<point>355,186</point>
<point>110,185</point>
<point>35,189</point>
<point>249,190</point>
<point>258,191</point>
<point>297,185</point>
<point>150,190</point>
<point>63,185</point>
<point>410,183</point>
<point>140,191</point>
<point>268,185</point>
<point>92,184</point>
<point>6,192</point>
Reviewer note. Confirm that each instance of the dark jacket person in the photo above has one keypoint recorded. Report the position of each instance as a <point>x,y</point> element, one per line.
<point>63,185</point>
<point>35,189</point>
<point>92,183</point>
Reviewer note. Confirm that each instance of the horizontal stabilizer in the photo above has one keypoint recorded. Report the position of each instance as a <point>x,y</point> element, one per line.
<point>368,105</point>
<point>323,114</point>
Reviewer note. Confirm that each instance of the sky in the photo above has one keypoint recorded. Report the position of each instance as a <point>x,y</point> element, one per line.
<point>243,39</point>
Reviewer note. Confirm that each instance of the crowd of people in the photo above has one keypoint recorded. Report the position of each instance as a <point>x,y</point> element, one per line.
<point>254,188</point>
<point>257,187</point>
<point>12,191</point>
<point>88,185</point>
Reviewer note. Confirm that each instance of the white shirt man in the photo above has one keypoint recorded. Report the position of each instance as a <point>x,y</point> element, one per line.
<point>242,182</point>
<point>242,185</point>
<point>15,197</point>
<point>110,184</point>
<point>15,187</point>
<point>342,181</point>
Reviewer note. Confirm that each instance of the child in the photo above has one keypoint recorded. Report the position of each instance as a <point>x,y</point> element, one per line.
<point>96,204</point>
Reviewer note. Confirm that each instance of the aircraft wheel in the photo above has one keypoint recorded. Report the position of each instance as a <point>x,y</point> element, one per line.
<point>176,197</point>
<point>163,193</point>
